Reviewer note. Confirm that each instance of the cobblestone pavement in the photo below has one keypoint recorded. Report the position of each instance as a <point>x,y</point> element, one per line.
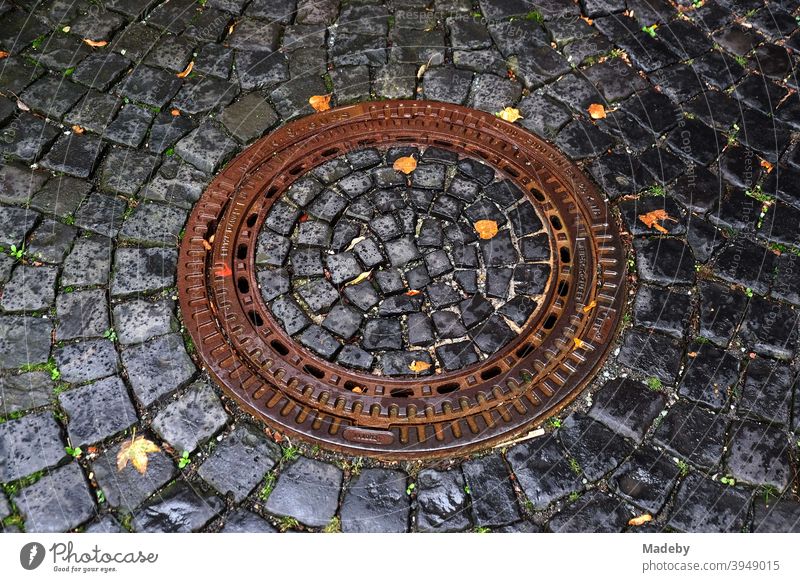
<point>107,145</point>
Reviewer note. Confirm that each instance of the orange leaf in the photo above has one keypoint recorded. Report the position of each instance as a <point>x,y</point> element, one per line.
<point>357,390</point>
<point>303,217</point>
<point>640,519</point>
<point>95,43</point>
<point>597,111</point>
<point>206,245</point>
<point>766,165</point>
<point>135,451</point>
<point>652,219</point>
<point>692,354</point>
<point>589,307</point>
<point>579,343</point>
<point>418,366</point>
<point>320,102</point>
<point>223,271</point>
<point>186,71</point>
<point>412,292</point>
<point>77,129</point>
<point>486,229</point>
<point>406,164</point>
<point>175,112</point>
<point>3,54</point>
<point>509,114</point>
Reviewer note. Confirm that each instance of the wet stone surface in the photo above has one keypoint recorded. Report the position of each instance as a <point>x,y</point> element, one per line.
<point>390,288</point>
<point>107,150</point>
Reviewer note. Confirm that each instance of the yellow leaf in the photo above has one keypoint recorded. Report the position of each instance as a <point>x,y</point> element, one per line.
<point>135,451</point>
<point>640,519</point>
<point>320,102</point>
<point>418,366</point>
<point>509,114</point>
<point>77,129</point>
<point>597,111</point>
<point>578,342</point>
<point>95,43</point>
<point>589,307</point>
<point>652,219</point>
<point>486,229</point>
<point>360,278</point>
<point>406,164</point>
<point>185,73</point>
<point>357,390</point>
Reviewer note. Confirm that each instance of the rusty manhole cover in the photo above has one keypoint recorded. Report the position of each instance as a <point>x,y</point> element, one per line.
<point>402,315</point>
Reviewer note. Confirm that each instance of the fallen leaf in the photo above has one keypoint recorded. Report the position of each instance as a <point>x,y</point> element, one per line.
<point>692,354</point>
<point>357,390</point>
<point>3,54</point>
<point>206,245</point>
<point>78,129</point>
<point>95,43</point>
<point>354,242</point>
<point>589,307</point>
<point>360,278</point>
<point>421,71</point>
<point>418,366</point>
<point>579,343</point>
<point>320,102</point>
<point>509,114</point>
<point>412,292</point>
<point>587,20</point>
<point>303,217</point>
<point>597,111</point>
<point>486,229</point>
<point>185,73</point>
<point>175,112</point>
<point>135,451</point>
<point>223,271</point>
<point>640,519</point>
<point>652,219</point>
<point>22,105</point>
<point>766,165</point>
<point>406,164</point>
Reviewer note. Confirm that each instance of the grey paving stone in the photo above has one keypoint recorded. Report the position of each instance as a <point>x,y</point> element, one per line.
<point>130,126</point>
<point>64,488</point>
<point>653,354</point>
<point>18,184</point>
<point>141,227</point>
<point>81,314</point>
<point>101,213</point>
<point>308,491</point>
<point>206,148</point>
<point>16,223</point>
<point>181,508</point>
<point>52,96</point>
<point>205,95</point>
<point>596,448</point>
<point>74,154</point>
<point>703,505</point>
<point>191,419</point>
<point>543,471</point>
<point>128,488</point>
<point>27,139</point>
<point>25,391</point>
<point>30,289</point>
<point>51,241</point>
<point>97,411</point>
<point>28,445</point>
<point>125,170</point>
<point>493,499</point>
<point>24,340</point>
<point>138,320</point>
<point>242,521</point>
<point>87,360</point>
<point>694,433</point>
<point>148,85</point>
<point>168,129</point>
<point>442,502</point>
<point>61,195</point>
<point>594,512</point>
<point>260,69</point>
<point>249,117</point>
<point>157,368</point>
<point>758,455</point>
<point>143,270</point>
<point>627,407</point>
<point>177,183</point>
<point>89,262</point>
<point>106,524</point>
<point>376,501</point>
<point>646,479</point>
<point>239,462</point>
<point>776,516</point>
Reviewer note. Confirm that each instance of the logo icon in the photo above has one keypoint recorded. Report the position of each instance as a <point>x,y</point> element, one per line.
<point>31,555</point>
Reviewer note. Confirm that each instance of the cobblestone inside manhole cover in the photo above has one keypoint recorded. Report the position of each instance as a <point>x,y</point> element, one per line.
<point>377,309</point>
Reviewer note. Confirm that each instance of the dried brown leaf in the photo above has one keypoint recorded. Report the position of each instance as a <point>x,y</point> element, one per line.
<point>320,102</point>
<point>136,451</point>
<point>406,164</point>
<point>486,229</point>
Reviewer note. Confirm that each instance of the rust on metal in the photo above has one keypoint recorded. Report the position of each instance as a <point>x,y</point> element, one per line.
<point>366,411</point>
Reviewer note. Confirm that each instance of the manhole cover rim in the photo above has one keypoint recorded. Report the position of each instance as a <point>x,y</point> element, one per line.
<point>475,122</point>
